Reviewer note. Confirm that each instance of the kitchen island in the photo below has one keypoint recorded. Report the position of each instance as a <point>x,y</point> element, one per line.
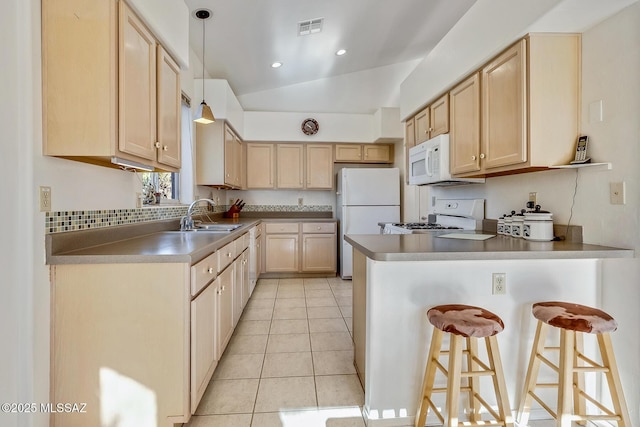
<point>396,278</point>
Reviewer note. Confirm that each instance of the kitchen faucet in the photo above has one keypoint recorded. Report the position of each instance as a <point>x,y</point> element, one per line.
<point>186,222</point>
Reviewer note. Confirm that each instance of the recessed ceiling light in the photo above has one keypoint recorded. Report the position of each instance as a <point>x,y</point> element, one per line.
<point>276,65</point>
<point>341,52</point>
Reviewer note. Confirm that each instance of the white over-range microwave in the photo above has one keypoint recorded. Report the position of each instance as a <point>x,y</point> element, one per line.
<point>429,164</point>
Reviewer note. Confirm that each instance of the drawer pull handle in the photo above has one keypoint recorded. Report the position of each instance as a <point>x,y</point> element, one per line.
<point>319,228</point>
<point>157,144</point>
<point>229,255</point>
<point>165,148</point>
<point>473,157</point>
<point>210,270</point>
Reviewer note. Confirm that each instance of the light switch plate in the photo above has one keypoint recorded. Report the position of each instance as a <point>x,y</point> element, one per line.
<point>616,193</point>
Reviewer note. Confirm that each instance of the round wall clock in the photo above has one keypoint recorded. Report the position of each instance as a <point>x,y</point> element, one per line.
<point>310,126</point>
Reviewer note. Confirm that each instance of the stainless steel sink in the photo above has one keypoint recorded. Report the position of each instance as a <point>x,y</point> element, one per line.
<point>210,227</point>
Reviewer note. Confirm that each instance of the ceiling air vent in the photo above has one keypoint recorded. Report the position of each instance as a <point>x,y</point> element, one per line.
<point>310,26</point>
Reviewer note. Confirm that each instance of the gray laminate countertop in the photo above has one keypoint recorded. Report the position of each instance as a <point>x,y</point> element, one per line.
<point>430,247</point>
<point>149,243</point>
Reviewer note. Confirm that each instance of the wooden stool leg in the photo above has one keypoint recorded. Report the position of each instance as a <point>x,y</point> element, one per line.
<point>499,384</point>
<point>532,373</point>
<point>564,413</point>
<point>429,377</point>
<point>453,380</point>
<point>579,402</point>
<point>474,383</point>
<point>613,379</point>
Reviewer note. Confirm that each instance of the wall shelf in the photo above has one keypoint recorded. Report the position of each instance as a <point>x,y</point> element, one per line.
<point>608,166</point>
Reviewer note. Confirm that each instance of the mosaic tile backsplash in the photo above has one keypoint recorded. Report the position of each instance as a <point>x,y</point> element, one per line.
<point>62,221</point>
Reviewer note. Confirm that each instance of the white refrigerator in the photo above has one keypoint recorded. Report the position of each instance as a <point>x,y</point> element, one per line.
<point>365,197</point>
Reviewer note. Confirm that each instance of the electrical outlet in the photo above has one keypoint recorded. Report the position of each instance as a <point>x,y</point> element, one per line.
<point>533,197</point>
<point>499,284</point>
<point>45,199</point>
<point>616,193</point>
<point>138,200</point>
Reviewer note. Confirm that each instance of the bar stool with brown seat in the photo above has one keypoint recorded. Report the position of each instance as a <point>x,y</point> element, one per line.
<point>469,324</point>
<point>573,320</point>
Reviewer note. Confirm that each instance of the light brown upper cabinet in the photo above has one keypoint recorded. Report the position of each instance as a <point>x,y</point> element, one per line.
<point>464,131</point>
<point>423,125</point>
<point>260,165</point>
<point>109,89</point>
<point>319,166</point>
<point>530,105</point>
<point>290,165</point>
<point>363,153</point>
<point>218,155</point>
<point>439,116</point>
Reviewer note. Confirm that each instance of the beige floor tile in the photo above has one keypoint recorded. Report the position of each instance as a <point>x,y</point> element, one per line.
<point>247,344</point>
<point>252,327</point>
<point>289,326</point>
<point>317,287</point>
<point>318,293</point>
<point>340,292</point>
<point>327,341</point>
<point>234,420</point>
<point>251,313</point>
<point>288,343</point>
<point>346,310</point>
<point>309,281</point>
<point>290,302</point>
<point>237,366</point>
<point>264,294</point>
<point>323,312</point>
<point>297,292</point>
<point>338,390</point>
<point>344,301</point>
<point>229,397</point>
<point>290,313</point>
<point>333,362</point>
<point>327,325</point>
<point>321,302</point>
<point>338,417</point>
<point>277,365</point>
<point>278,394</point>
<point>265,282</point>
<point>291,281</point>
<point>260,303</point>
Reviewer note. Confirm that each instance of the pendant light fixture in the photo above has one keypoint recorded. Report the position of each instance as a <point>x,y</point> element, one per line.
<point>204,114</point>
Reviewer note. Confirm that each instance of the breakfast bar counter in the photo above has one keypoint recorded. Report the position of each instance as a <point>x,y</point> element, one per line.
<point>396,278</point>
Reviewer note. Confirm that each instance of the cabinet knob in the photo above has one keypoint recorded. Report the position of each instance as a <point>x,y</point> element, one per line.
<point>165,148</point>
<point>482,156</point>
<point>229,255</point>
<point>319,228</point>
<point>210,270</point>
<point>473,157</point>
<point>426,131</point>
<point>430,129</point>
<point>157,144</point>
<point>223,288</point>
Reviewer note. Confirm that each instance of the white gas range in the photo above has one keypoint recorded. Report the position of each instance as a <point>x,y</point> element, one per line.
<point>448,214</point>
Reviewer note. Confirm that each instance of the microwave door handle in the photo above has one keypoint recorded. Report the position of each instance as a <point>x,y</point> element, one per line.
<point>429,160</point>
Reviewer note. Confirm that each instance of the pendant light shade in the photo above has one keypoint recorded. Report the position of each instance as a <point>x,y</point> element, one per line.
<point>204,114</point>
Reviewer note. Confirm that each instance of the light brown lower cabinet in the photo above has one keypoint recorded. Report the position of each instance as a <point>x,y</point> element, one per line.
<point>300,247</point>
<point>148,333</point>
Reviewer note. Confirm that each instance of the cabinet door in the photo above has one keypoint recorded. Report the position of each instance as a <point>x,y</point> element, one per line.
<point>203,341</point>
<point>319,166</point>
<point>504,139</point>
<point>260,165</point>
<point>259,257</point>
<point>465,126</point>
<point>237,291</point>
<point>348,153</point>
<point>245,277</point>
<point>137,87</point>
<point>290,163</point>
<point>232,153</point>
<point>319,252</point>
<point>169,114</point>
<point>281,253</point>
<point>238,163</point>
<point>374,153</point>
<point>423,126</point>
<point>224,288</point>
<point>439,116</point>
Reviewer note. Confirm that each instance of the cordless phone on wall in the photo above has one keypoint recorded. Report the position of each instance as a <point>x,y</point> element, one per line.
<point>581,151</point>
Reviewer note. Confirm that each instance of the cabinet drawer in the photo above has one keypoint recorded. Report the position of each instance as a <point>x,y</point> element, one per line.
<point>282,227</point>
<point>226,254</point>
<point>204,272</point>
<point>319,227</point>
<point>259,229</point>
<point>242,243</point>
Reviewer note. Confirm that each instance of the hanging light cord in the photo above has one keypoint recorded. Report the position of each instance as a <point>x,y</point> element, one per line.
<point>203,54</point>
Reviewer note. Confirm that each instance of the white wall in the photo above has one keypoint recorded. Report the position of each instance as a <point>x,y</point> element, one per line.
<point>610,70</point>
